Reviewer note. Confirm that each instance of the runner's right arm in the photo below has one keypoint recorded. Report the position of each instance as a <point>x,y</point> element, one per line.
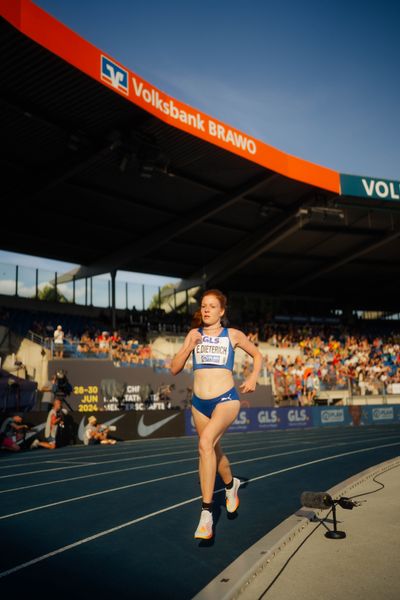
<point>178,362</point>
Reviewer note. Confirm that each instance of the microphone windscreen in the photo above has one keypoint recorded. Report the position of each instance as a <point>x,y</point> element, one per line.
<point>316,499</point>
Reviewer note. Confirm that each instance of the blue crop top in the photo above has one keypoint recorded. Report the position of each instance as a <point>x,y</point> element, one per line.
<point>214,352</point>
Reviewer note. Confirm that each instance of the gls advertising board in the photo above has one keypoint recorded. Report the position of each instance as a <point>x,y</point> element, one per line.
<point>270,419</point>
<point>133,425</point>
<point>263,419</point>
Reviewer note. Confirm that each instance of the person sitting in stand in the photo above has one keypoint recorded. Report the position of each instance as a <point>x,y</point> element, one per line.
<point>104,342</point>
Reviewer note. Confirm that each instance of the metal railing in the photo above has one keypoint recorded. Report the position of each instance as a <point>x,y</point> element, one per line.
<point>40,284</point>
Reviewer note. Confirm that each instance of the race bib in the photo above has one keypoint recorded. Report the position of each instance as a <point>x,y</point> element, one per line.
<point>212,351</point>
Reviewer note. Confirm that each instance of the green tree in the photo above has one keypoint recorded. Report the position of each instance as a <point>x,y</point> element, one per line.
<point>165,292</point>
<point>49,294</point>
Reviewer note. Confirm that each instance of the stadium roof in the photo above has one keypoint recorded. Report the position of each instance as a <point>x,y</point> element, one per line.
<point>104,170</point>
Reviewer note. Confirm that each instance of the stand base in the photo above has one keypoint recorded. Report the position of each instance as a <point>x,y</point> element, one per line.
<point>335,535</point>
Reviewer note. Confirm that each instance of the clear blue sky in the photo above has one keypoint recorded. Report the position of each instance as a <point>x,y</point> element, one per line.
<point>317,79</point>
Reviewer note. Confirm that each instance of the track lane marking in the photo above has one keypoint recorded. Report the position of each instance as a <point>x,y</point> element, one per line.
<point>8,490</point>
<point>101,534</point>
<point>146,482</point>
<point>321,434</point>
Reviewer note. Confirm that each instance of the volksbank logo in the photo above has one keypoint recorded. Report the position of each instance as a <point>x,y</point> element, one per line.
<point>171,108</point>
<point>381,188</point>
<point>368,187</point>
<point>114,75</point>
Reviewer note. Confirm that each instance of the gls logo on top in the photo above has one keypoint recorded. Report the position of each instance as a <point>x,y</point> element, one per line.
<point>114,75</point>
<point>268,419</point>
<point>298,417</point>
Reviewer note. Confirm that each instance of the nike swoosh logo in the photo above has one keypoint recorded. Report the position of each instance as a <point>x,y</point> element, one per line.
<point>146,430</point>
<point>81,430</point>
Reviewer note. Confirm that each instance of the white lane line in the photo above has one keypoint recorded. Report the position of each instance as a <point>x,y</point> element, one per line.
<point>112,452</point>
<point>318,460</point>
<point>159,464</point>
<point>96,536</point>
<point>68,462</point>
<point>101,462</point>
<point>26,487</point>
<point>119,451</point>
<point>131,456</point>
<point>117,489</point>
<point>139,483</point>
<point>106,462</point>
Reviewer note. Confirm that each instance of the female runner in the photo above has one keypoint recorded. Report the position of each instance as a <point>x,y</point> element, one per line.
<point>215,402</point>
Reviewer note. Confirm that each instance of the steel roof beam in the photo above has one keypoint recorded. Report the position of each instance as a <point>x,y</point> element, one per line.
<point>364,249</point>
<point>163,234</point>
<point>253,245</point>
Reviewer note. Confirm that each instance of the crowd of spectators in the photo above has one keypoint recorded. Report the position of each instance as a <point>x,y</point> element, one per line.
<point>360,364</point>
<point>120,349</point>
<point>329,357</point>
<point>363,358</point>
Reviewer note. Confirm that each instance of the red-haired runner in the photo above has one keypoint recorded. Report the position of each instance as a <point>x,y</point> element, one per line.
<point>215,401</point>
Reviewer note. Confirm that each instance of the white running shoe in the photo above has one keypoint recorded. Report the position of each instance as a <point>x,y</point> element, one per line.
<point>232,498</point>
<point>35,444</point>
<point>204,529</point>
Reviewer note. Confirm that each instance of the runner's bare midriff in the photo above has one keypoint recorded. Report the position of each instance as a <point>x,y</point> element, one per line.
<point>210,383</point>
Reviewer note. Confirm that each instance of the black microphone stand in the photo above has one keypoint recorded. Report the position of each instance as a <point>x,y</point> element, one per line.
<point>334,534</point>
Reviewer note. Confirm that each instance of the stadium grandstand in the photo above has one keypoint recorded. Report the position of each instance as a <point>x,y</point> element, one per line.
<point>135,180</point>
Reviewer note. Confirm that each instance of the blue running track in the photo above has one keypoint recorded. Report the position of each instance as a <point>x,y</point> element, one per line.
<point>119,521</point>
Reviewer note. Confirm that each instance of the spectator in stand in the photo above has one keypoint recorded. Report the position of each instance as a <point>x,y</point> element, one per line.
<point>85,343</point>
<point>253,336</point>
<point>104,342</point>
<point>115,340</point>
<point>58,342</point>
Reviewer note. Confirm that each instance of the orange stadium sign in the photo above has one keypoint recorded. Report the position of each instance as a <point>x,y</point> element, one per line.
<point>62,41</point>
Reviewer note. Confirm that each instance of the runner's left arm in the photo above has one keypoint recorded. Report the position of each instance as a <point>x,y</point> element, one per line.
<point>241,340</point>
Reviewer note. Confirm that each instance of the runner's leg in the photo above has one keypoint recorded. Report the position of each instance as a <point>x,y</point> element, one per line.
<point>223,416</point>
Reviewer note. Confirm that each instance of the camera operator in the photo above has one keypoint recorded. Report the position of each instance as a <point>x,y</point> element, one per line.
<point>55,423</point>
<point>61,387</point>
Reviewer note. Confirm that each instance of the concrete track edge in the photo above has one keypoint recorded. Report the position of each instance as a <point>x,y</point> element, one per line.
<point>236,577</point>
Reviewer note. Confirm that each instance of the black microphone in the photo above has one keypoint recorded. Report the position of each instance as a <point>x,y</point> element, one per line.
<point>316,500</point>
